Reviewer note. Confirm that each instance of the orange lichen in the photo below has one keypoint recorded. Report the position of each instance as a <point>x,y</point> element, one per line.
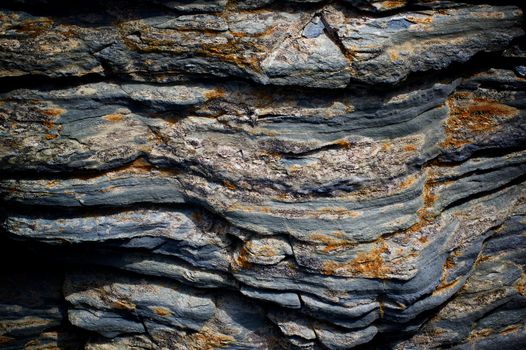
<point>161,311</point>
<point>48,124</point>
<point>343,143</point>
<point>469,116</point>
<point>428,195</point>
<point>392,4</point>
<point>115,117</point>
<point>366,264</point>
<point>409,148</point>
<point>122,305</point>
<point>407,182</point>
<point>52,112</point>
<point>237,50</point>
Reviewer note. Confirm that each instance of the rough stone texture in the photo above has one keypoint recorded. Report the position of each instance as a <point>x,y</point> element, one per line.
<point>262,174</point>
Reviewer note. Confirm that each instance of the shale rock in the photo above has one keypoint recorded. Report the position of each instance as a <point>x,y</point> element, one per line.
<point>262,174</point>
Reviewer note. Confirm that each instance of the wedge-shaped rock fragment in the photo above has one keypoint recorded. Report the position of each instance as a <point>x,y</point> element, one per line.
<point>312,61</point>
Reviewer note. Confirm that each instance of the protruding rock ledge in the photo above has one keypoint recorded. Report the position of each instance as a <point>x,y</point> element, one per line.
<point>325,47</point>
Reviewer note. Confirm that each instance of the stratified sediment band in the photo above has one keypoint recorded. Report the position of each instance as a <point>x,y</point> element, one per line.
<point>262,174</point>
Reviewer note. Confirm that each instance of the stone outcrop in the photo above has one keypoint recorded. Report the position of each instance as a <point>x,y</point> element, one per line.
<point>262,174</point>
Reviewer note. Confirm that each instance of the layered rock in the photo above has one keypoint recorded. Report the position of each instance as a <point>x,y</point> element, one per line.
<point>264,175</point>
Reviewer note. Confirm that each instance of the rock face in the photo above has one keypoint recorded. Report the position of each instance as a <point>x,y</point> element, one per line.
<point>262,174</point>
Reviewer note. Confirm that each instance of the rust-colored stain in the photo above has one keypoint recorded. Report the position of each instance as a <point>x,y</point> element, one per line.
<point>48,124</point>
<point>409,148</point>
<point>229,185</point>
<point>122,305</point>
<point>484,332</point>
<point>407,182</point>
<point>207,339</point>
<point>140,166</point>
<point>521,285</point>
<point>230,52</point>
<point>423,239</point>
<point>445,285</point>
<point>52,183</point>
<point>418,20</point>
<point>52,112</point>
<point>510,329</point>
<point>161,311</point>
<point>216,93</point>
<point>338,211</point>
<point>263,250</point>
<point>115,117</point>
<point>366,264</point>
<point>343,143</point>
<point>428,195</point>
<point>33,27</point>
<point>469,116</point>
<point>330,242</point>
<point>392,4</point>
<point>449,263</point>
<point>241,259</point>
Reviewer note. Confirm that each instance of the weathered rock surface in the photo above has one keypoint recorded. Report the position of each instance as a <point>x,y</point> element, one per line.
<point>262,174</point>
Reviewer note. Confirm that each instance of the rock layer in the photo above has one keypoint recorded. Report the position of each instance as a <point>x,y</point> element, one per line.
<point>262,174</point>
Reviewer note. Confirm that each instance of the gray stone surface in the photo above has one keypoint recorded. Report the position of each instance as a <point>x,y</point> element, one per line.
<point>262,175</point>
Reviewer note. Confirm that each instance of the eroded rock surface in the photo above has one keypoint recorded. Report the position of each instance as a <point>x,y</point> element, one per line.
<point>262,174</point>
